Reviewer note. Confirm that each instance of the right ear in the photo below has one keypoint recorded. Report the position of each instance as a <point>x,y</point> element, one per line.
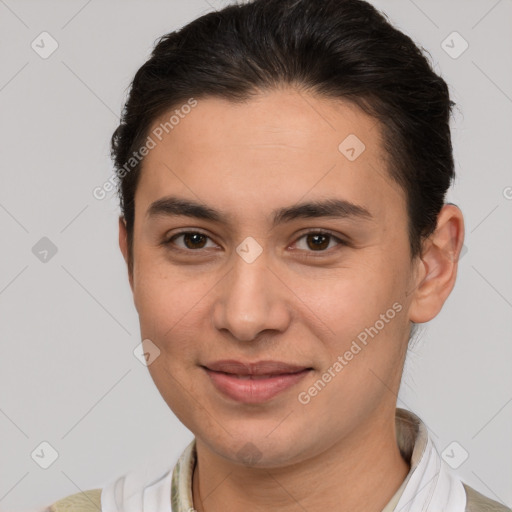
<point>123,245</point>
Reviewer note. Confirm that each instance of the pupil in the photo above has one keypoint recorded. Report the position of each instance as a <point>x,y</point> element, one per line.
<point>317,238</point>
<point>196,239</point>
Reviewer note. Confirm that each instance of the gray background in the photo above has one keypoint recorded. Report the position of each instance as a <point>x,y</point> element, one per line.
<point>68,325</point>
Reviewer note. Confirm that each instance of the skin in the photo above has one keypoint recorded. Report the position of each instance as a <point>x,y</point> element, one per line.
<point>207,303</point>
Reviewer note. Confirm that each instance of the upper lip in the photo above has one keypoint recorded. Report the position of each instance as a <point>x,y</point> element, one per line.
<point>257,368</point>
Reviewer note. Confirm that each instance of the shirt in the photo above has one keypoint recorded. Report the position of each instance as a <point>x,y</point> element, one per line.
<point>430,486</point>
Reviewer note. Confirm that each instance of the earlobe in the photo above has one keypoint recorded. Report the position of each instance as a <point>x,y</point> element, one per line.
<point>123,245</point>
<point>438,265</point>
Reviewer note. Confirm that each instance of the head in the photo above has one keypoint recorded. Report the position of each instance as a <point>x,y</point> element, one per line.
<point>305,145</point>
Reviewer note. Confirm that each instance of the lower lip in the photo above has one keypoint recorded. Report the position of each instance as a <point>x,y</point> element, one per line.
<point>254,391</point>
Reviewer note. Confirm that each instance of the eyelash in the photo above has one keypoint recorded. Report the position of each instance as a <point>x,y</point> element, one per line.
<point>169,242</point>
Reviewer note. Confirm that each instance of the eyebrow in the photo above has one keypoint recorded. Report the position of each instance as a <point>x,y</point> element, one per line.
<point>170,206</point>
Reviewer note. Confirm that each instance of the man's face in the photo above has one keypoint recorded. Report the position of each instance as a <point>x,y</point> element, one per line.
<point>303,290</point>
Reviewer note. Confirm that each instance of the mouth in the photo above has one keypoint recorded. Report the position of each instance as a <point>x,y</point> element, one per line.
<point>254,383</point>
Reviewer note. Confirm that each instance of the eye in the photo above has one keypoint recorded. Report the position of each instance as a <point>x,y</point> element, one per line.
<point>312,241</point>
<point>318,241</point>
<point>192,240</point>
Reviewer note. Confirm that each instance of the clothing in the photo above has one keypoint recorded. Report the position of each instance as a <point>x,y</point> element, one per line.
<point>430,486</point>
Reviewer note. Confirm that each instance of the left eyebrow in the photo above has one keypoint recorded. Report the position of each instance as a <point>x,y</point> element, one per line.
<point>338,208</point>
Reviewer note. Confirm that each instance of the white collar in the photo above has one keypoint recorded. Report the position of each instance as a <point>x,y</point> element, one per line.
<point>431,485</point>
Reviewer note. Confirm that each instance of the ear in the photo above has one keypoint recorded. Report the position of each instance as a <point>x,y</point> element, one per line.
<point>438,265</point>
<point>123,245</point>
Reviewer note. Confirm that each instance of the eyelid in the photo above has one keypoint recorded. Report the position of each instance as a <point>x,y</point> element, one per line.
<point>321,231</point>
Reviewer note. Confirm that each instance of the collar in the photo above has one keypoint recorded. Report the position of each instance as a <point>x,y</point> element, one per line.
<point>430,485</point>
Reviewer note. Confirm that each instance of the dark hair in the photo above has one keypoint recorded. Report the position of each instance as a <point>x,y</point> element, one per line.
<point>342,49</point>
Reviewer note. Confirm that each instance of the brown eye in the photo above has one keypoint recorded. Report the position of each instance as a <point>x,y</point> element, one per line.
<point>194,240</point>
<point>191,240</point>
<point>318,241</point>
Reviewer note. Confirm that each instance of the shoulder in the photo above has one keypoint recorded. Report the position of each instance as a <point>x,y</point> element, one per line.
<point>477,502</point>
<point>86,501</point>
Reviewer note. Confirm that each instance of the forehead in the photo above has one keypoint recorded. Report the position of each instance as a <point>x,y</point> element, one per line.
<point>272,150</point>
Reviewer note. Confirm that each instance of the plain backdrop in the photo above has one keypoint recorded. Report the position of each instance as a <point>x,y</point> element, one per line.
<point>68,327</point>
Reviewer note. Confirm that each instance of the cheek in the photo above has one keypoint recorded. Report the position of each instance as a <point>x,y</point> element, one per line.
<point>173,312</point>
<point>171,316</point>
<point>349,299</point>
<point>364,311</point>
<point>162,293</point>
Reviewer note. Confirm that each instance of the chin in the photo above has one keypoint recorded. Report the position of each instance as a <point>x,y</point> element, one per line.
<point>253,445</point>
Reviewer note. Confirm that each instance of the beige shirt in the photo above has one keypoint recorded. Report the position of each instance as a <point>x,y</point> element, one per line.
<point>172,492</point>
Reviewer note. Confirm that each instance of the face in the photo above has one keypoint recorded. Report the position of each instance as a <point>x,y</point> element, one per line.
<point>299,254</point>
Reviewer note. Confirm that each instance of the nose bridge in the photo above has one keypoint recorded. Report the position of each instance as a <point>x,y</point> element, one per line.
<point>249,300</point>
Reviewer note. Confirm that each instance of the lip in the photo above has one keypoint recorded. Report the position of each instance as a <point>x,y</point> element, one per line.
<point>266,367</point>
<point>254,383</point>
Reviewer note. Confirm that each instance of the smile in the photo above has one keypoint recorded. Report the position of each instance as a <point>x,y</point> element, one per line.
<point>252,388</point>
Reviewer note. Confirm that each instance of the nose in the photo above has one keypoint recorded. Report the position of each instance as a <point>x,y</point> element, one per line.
<point>251,299</point>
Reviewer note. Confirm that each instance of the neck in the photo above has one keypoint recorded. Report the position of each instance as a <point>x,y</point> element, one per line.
<point>338,479</point>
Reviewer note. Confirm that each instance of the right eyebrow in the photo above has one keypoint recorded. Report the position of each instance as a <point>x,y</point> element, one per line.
<point>175,206</point>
